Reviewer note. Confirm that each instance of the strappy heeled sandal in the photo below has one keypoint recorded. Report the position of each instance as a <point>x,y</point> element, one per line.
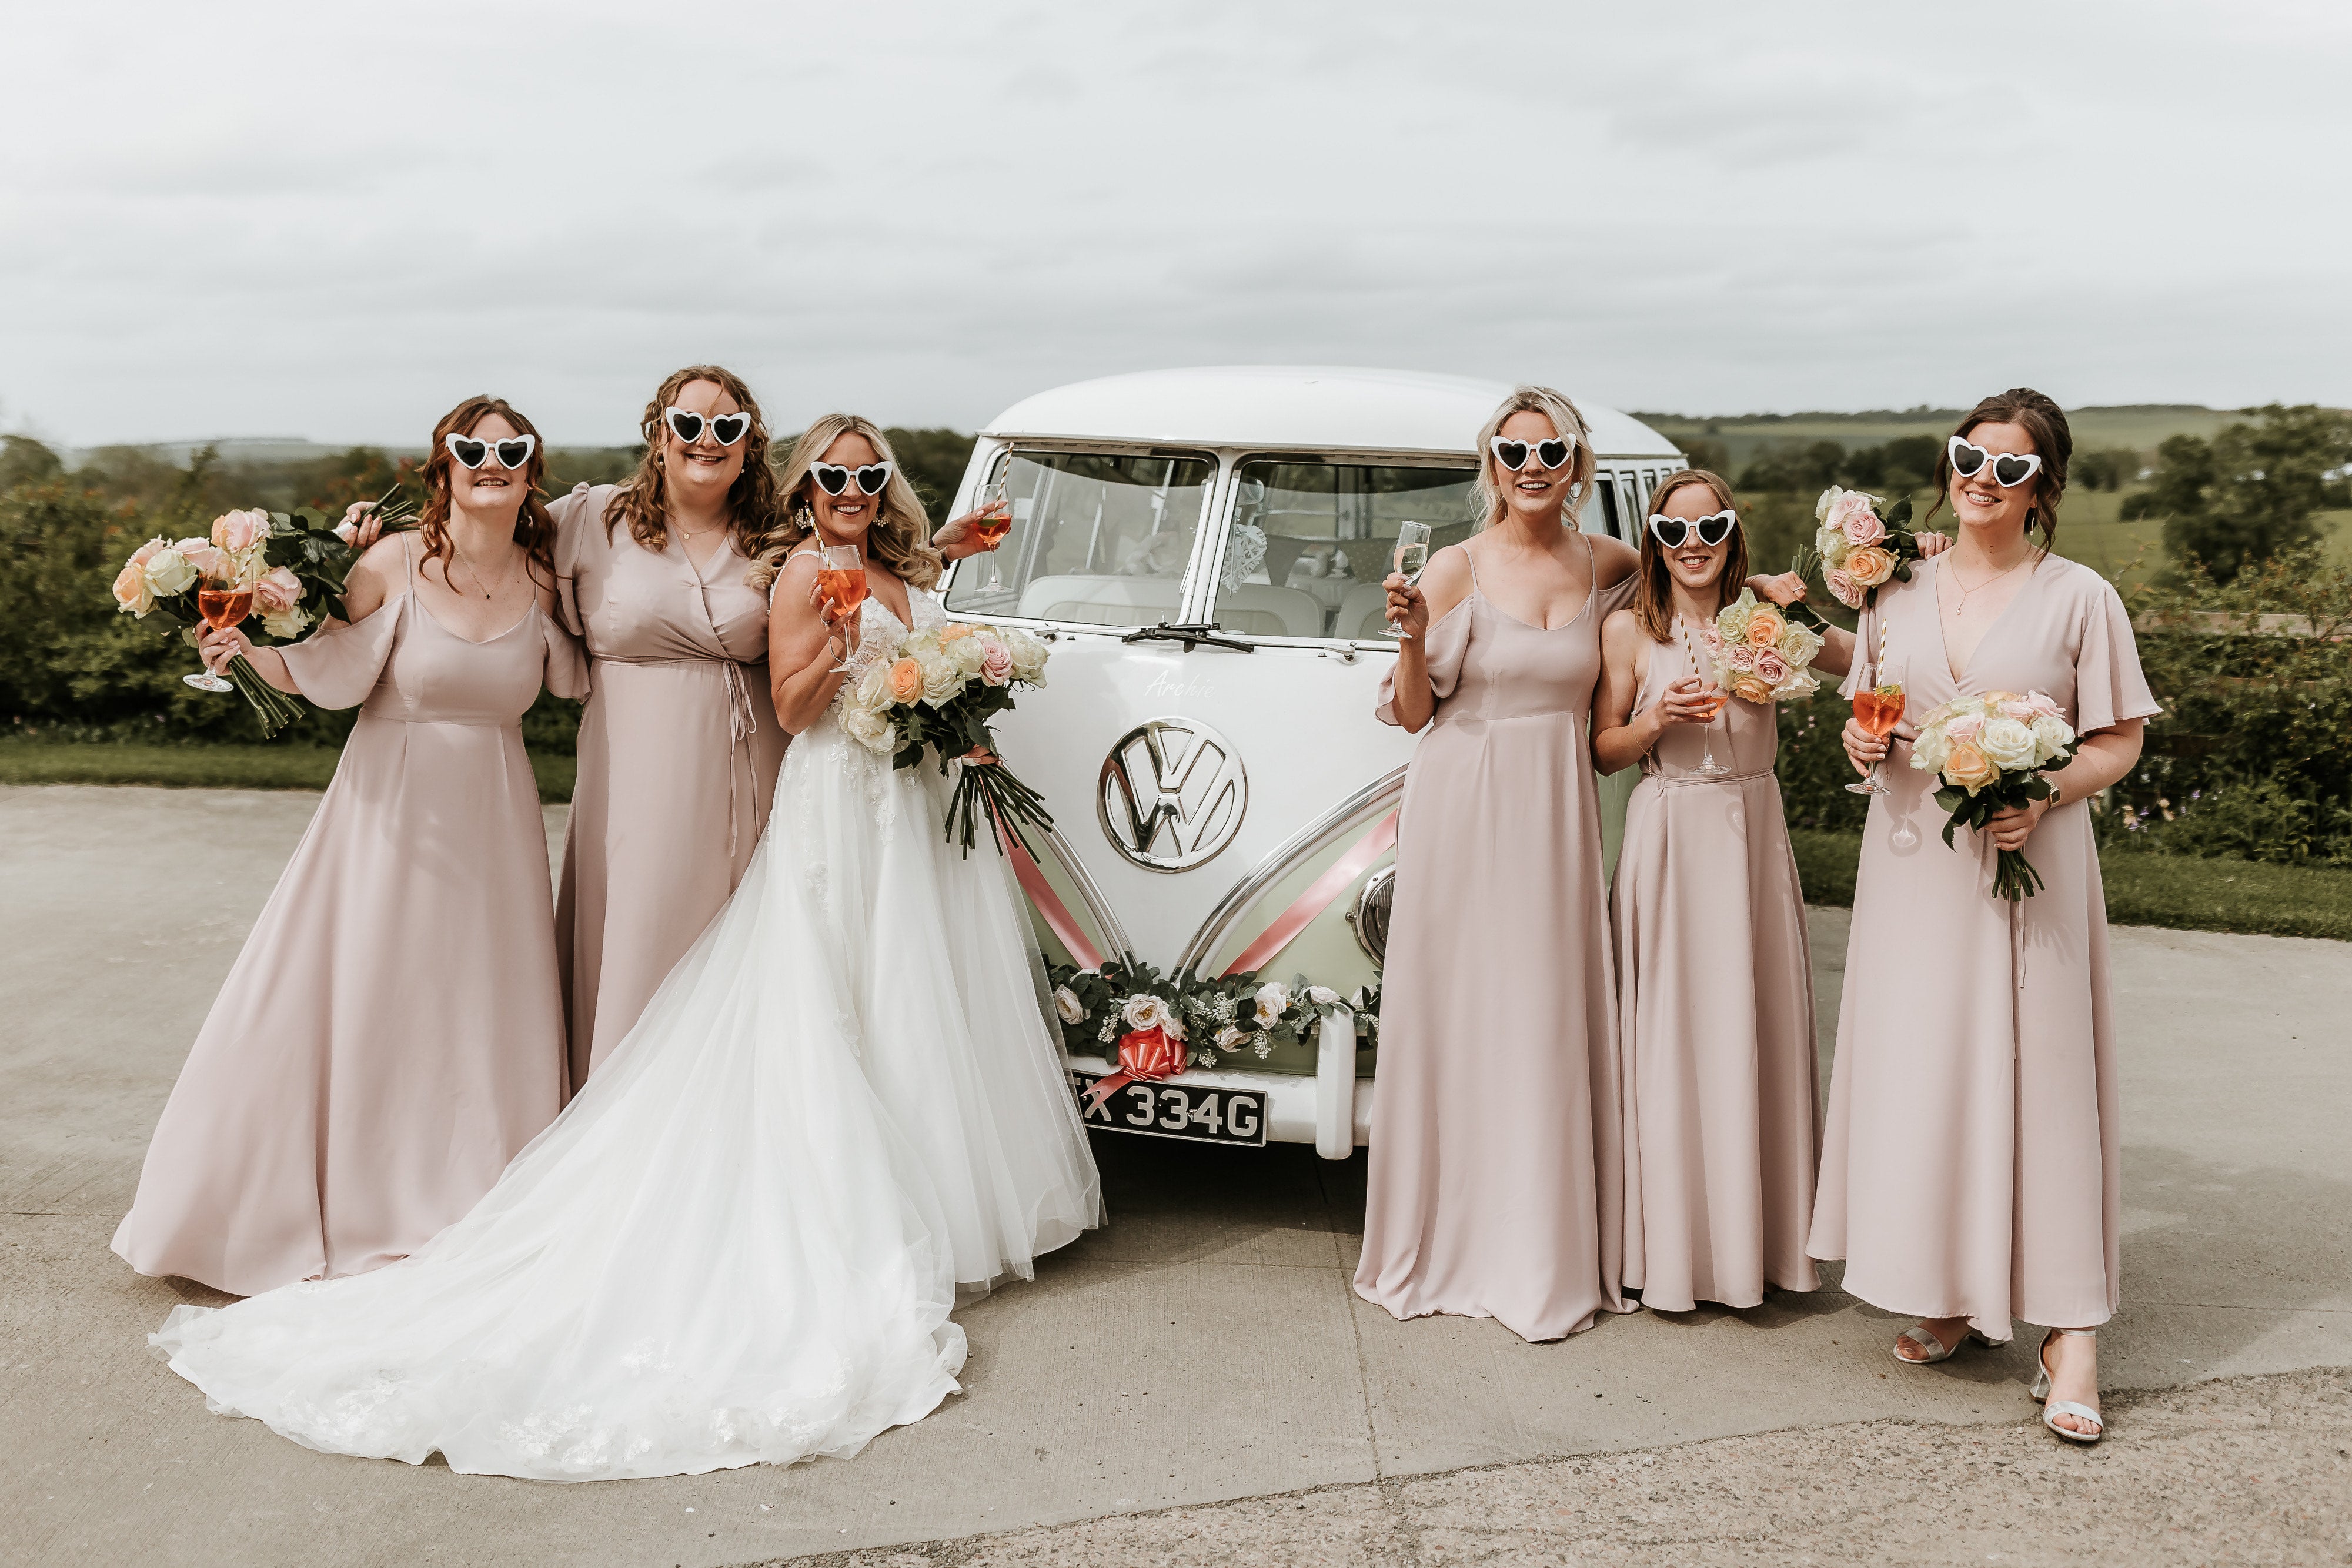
<point>2052,1408</point>
<point>1925,1338</point>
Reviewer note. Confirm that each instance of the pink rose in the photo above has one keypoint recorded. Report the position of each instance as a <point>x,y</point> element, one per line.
<point>2041,704</point>
<point>237,532</point>
<point>210,563</point>
<point>995,661</point>
<point>1967,727</point>
<point>1770,667</point>
<point>1741,658</point>
<point>147,551</point>
<point>2018,709</point>
<point>277,593</point>
<point>1848,592</point>
<point>1713,641</point>
<point>1852,515</point>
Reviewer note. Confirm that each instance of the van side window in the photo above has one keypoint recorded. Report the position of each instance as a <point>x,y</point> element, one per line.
<point>1096,540</point>
<point>1311,540</point>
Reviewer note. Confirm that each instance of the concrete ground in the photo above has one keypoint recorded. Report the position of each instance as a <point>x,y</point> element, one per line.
<point>1197,1382</point>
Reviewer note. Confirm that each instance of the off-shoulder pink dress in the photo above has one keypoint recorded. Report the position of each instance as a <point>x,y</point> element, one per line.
<point>1495,1179</point>
<point>392,1032</point>
<point>1715,1005</point>
<point>679,752</point>
<point>1971,1164</point>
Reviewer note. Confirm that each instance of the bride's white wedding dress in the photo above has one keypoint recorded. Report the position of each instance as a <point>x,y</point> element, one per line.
<point>739,1243</point>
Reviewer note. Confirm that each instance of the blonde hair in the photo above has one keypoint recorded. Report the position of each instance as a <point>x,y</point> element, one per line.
<point>1654,594</point>
<point>753,503</point>
<point>1486,494</point>
<point>900,535</point>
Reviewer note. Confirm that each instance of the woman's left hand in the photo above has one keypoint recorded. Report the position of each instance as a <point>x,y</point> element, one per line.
<point>2012,825</point>
<point>980,757</point>
<point>1783,588</point>
<point>960,537</point>
<point>1931,543</point>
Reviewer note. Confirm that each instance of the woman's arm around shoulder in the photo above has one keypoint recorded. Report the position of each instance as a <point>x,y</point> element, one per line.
<point>1613,561</point>
<point>1618,741</point>
<point>802,646</point>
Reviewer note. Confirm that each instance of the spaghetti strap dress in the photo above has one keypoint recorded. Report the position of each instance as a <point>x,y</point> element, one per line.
<point>1495,1182</point>
<point>392,1033</point>
<point>679,750</point>
<point>1714,1007</point>
<point>1972,1159</point>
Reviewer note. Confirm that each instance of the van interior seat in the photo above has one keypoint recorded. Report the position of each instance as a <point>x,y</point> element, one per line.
<point>1101,600</point>
<point>1260,610</point>
<point>1363,613</point>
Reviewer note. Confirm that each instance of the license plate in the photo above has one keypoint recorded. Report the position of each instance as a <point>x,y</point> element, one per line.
<point>1175,1111</point>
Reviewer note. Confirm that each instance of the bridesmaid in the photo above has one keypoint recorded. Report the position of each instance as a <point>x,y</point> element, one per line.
<point>1971,1164</point>
<point>1495,1171</point>
<point>392,1032</point>
<point>1715,996</point>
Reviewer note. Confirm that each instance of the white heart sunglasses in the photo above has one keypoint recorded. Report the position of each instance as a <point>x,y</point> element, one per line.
<point>2010,469</point>
<point>512,452</point>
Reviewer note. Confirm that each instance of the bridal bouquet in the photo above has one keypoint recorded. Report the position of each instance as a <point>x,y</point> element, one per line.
<point>1860,549</point>
<point>1760,654</point>
<point>938,688</point>
<point>1990,752</point>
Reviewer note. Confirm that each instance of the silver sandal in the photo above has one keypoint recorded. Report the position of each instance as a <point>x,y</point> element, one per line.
<point>1925,1338</point>
<point>2052,1408</point>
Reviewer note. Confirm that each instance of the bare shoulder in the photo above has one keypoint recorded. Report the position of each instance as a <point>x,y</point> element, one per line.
<point>789,596</point>
<point>1613,561</point>
<point>1448,574</point>
<point>1621,633</point>
<point>379,574</point>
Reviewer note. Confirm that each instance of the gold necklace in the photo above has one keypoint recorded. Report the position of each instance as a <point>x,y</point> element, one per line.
<point>459,557</point>
<point>1962,608</point>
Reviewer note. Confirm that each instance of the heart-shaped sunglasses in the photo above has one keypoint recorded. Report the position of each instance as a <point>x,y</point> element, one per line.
<point>689,426</point>
<point>2010,469</point>
<point>834,479</point>
<point>1551,452</point>
<point>1712,530</point>
<point>512,452</point>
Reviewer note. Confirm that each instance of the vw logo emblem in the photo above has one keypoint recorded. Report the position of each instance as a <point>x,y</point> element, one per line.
<point>1172,794</point>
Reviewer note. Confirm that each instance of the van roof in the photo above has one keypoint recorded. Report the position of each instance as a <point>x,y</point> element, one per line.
<point>1334,407</point>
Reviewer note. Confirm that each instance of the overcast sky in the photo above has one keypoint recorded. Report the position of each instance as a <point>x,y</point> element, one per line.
<point>334,221</point>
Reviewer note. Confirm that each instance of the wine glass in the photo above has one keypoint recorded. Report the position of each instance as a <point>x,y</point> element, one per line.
<point>841,582</point>
<point>1878,709</point>
<point>1412,559</point>
<point>995,522</point>
<point>1708,767</point>
<point>222,605</point>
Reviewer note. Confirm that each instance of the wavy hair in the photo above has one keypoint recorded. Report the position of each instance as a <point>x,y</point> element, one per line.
<point>900,535</point>
<point>754,502</point>
<point>1486,494</point>
<point>2053,439</point>
<point>1653,595</point>
<point>534,527</point>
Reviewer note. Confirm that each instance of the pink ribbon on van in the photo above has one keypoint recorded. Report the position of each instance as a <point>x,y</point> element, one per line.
<point>1318,895</point>
<point>1049,904</point>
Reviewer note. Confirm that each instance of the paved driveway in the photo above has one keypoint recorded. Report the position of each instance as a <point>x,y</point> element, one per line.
<point>1204,1348</point>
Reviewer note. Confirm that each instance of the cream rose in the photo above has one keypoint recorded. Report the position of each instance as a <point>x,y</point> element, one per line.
<point>168,572</point>
<point>1146,1012</point>
<point>1829,498</point>
<point>1230,1039</point>
<point>2052,736</point>
<point>2007,744</point>
<point>1969,767</point>
<point>1272,998</point>
<point>1870,566</point>
<point>1323,996</point>
<point>941,679</point>
<point>869,727</point>
<point>286,623</point>
<point>1066,1004</point>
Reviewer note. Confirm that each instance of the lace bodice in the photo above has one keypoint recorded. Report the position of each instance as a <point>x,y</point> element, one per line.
<point>878,631</point>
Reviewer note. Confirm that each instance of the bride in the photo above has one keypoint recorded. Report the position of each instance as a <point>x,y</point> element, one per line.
<point>740,1242</point>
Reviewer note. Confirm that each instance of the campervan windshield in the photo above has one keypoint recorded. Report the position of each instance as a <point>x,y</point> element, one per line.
<point>1097,539</point>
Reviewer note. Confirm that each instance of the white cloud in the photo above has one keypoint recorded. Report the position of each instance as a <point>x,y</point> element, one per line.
<point>335,222</point>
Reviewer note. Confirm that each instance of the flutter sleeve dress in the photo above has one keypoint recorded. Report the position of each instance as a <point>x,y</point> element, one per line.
<point>679,750</point>
<point>1715,1005</point>
<point>1496,1170</point>
<point>1971,1160</point>
<point>392,1032</point>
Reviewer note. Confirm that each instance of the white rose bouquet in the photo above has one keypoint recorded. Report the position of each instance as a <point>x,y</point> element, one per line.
<point>937,690</point>
<point>1990,753</point>
<point>1858,548</point>
<point>1761,654</point>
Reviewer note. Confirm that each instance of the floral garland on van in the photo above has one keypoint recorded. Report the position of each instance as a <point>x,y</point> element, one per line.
<point>1188,1019</point>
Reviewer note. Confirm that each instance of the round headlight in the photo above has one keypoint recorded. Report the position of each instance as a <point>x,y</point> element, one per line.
<point>1369,914</point>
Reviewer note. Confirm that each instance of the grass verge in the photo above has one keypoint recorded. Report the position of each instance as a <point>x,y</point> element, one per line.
<point>207,767</point>
<point>2178,890</point>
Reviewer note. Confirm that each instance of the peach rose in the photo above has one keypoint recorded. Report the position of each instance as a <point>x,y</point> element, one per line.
<point>237,532</point>
<point>131,590</point>
<point>1765,626</point>
<point>1969,767</point>
<point>906,681</point>
<point>1770,667</point>
<point>1752,688</point>
<point>953,632</point>
<point>1870,566</point>
<point>277,593</point>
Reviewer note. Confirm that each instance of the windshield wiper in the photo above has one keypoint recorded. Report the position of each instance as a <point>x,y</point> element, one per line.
<point>1188,635</point>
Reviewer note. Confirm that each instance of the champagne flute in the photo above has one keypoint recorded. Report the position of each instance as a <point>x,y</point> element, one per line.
<point>841,582</point>
<point>1412,559</point>
<point>1708,767</point>
<point>222,605</point>
<point>995,522</point>
<point>1878,709</point>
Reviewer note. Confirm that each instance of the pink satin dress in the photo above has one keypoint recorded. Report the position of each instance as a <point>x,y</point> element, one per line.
<point>1714,1007</point>
<point>678,754</point>
<point>392,1033</point>
<point>1496,1186</point>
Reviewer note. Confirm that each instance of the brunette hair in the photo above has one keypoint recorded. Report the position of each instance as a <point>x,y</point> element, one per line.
<point>2052,441</point>
<point>1486,494</point>
<point>1653,593</point>
<point>900,535</point>
<point>753,503</point>
<point>534,528</point>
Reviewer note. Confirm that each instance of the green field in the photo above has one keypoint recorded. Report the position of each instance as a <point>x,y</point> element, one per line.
<point>2140,427</point>
<point>2178,891</point>
<point>202,766</point>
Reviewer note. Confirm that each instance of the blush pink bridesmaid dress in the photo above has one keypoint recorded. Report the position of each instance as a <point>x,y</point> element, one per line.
<point>1495,1171</point>
<point>1972,1160</point>
<point>1715,1005</point>
<point>392,1033</point>
<point>677,753</point>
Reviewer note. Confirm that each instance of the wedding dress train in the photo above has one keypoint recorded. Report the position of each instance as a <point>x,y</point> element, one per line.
<point>740,1242</point>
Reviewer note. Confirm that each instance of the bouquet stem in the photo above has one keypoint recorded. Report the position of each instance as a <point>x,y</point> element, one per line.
<point>990,790</point>
<point>2013,876</point>
<point>276,709</point>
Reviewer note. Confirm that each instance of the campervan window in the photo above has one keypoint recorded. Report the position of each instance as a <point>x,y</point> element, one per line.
<point>1311,539</point>
<point>1097,539</point>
